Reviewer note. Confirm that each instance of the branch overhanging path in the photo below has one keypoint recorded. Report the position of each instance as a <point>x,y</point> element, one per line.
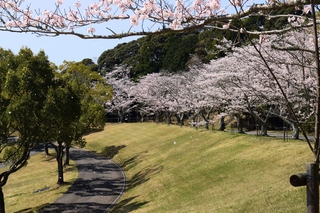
<point>99,185</point>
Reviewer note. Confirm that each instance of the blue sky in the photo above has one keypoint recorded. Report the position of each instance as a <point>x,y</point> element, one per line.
<point>69,48</point>
<point>60,48</point>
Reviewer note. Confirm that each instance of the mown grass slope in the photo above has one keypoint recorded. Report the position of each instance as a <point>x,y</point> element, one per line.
<point>174,169</point>
<point>35,185</point>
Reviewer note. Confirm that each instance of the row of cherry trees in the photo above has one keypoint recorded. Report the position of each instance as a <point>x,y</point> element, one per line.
<point>236,85</point>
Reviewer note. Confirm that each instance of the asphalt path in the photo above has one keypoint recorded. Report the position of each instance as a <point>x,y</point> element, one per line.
<point>281,134</point>
<point>99,185</point>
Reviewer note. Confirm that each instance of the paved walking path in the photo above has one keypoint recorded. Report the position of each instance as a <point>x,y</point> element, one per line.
<point>280,134</point>
<point>100,184</point>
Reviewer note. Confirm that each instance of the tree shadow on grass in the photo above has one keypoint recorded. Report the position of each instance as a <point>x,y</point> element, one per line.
<point>139,178</point>
<point>111,151</point>
<point>133,161</point>
<point>128,205</point>
<point>142,177</point>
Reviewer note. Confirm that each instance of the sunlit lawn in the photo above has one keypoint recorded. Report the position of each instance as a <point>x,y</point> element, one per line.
<point>173,169</point>
<point>35,185</point>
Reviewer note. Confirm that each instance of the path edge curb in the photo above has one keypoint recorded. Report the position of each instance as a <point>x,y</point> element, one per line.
<point>123,188</point>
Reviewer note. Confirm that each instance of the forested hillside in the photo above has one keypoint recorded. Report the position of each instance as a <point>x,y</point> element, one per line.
<point>174,52</point>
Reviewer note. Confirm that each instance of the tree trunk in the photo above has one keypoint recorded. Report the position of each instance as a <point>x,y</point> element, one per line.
<point>60,172</point>
<point>157,114</point>
<point>121,117</point>
<point>264,130</point>
<point>222,124</point>
<point>295,127</point>
<point>59,158</point>
<point>141,116</point>
<point>46,149</point>
<point>180,118</point>
<point>206,125</point>
<point>2,207</point>
<point>312,173</point>
<point>192,120</point>
<point>295,130</point>
<point>67,157</point>
<point>169,118</point>
<point>239,123</point>
<point>206,121</point>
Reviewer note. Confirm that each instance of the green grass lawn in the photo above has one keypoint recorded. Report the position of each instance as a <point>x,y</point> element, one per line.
<point>34,185</point>
<point>174,169</point>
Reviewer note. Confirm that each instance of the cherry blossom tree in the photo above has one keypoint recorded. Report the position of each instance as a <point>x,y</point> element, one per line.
<point>250,87</point>
<point>207,96</point>
<point>123,101</point>
<point>154,94</point>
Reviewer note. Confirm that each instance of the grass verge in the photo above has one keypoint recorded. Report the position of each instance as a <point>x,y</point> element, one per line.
<point>34,186</point>
<point>174,169</point>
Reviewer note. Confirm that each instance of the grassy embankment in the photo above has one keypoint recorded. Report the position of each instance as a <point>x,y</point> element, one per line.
<point>34,186</point>
<point>173,169</point>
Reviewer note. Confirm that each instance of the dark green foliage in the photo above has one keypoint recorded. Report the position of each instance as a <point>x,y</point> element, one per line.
<point>151,55</point>
<point>281,22</point>
<point>81,80</point>
<point>89,63</point>
<point>124,53</point>
<point>169,52</point>
<point>206,48</point>
<point>12,154</point>
<point>178,48</point>
<point>62,107</point>
<point>254,23</point>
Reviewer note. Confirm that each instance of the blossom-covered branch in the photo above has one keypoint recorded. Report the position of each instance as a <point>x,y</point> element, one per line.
<point>140,17</point>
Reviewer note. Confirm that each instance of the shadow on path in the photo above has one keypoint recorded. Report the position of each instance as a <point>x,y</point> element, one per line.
<point>99,185</point>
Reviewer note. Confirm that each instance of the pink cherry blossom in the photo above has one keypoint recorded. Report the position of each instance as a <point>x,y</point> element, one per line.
<point>226,26</point>
<point>307,9</point>
<point>91,30</point>
<point>134,20</point>
<point>59,2</point>
<point>77,4</point>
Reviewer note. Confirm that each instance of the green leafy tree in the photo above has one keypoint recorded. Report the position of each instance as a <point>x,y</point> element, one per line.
<point>25,80</point>
<point>92,92</point>
<point>62,110</point>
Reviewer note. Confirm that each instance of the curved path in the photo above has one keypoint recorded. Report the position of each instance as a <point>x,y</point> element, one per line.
<point>99,185</point>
